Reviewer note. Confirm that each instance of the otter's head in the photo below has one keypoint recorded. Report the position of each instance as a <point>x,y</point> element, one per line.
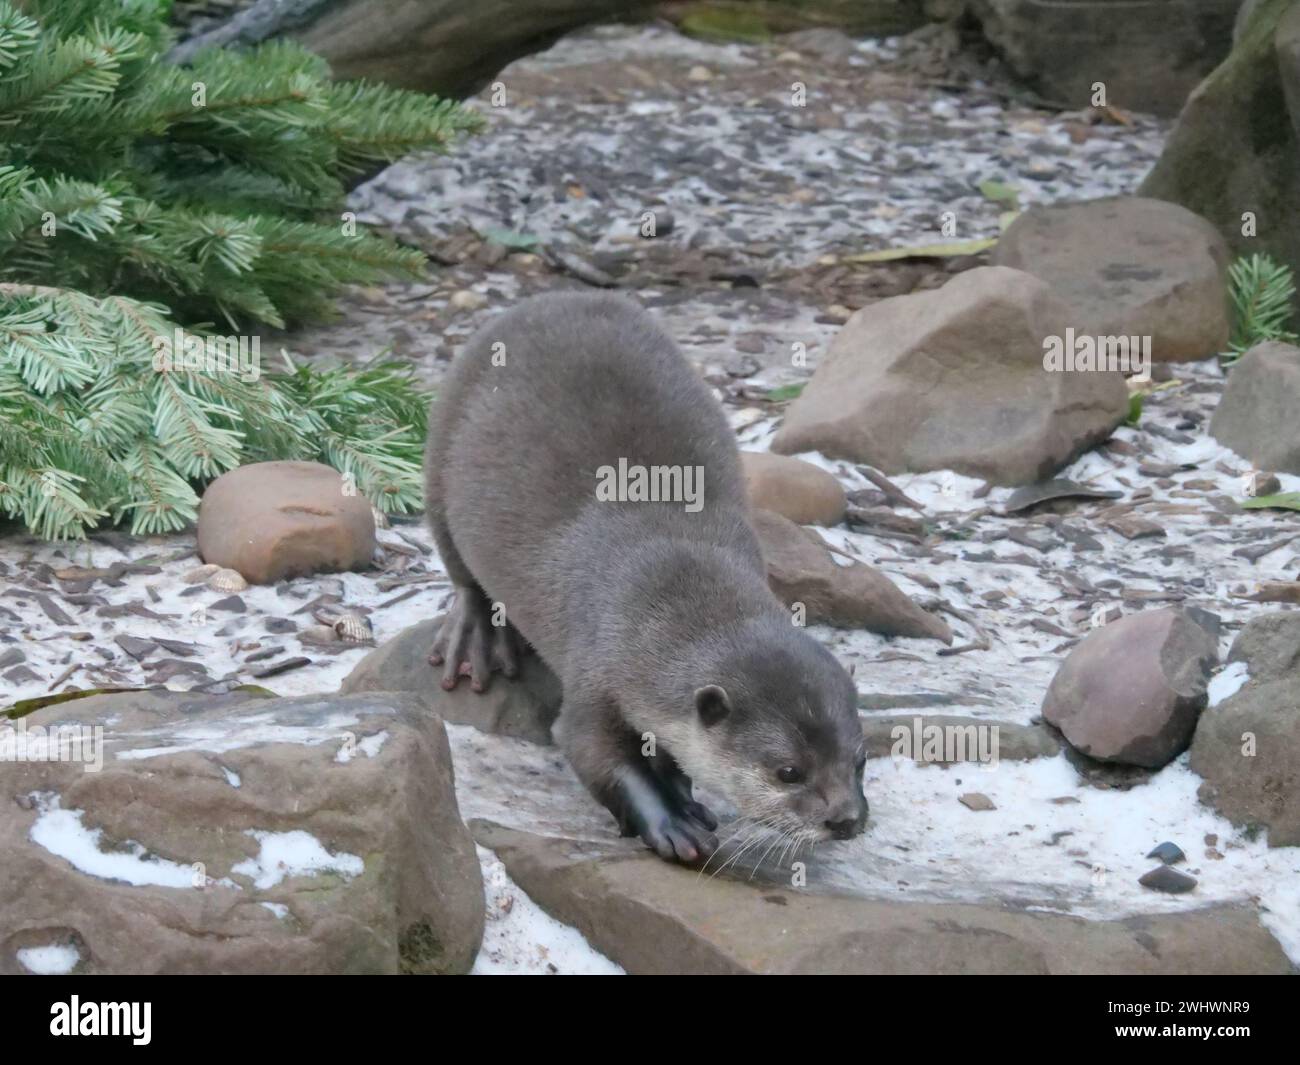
<point>776,731</point>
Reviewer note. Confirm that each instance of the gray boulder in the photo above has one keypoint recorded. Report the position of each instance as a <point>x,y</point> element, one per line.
<point>1256,413</point>
<point>1248,747</point>
<point>524,708</point>
<point>1234,155</point>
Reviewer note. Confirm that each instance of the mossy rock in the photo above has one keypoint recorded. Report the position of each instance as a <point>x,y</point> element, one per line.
<point>1236,145</point>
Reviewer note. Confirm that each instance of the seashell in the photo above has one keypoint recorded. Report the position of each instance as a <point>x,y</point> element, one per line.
<point>227,580</point>
<point>354,628</point>
<point>318,634</point>
<point>200,574</point>
<point>381,519</point>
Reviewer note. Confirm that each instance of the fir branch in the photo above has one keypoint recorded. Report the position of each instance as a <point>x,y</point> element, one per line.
<point>1262,294</point>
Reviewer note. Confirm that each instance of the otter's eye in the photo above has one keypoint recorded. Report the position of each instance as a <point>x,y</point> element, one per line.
<point>789,774</point>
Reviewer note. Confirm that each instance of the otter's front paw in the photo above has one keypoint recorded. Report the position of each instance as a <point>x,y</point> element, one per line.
<point>681,838</point>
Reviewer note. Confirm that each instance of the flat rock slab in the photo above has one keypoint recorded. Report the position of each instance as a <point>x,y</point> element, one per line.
<point>524,708</point>
<point>237,835</point>
<point>651,917</point>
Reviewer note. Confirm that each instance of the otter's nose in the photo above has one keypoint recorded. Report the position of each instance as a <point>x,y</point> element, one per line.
<point>848,820</point>
<point>845,829</point>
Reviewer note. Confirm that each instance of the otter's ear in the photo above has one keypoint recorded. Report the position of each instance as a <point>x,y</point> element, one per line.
<point>712,704</point>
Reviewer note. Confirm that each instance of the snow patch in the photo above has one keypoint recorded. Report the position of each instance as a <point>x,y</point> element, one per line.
<point>57,959</point>
<point>62,833</point>
<point>1227,682</point>
<point>296,853</point>
<point>520,938</point>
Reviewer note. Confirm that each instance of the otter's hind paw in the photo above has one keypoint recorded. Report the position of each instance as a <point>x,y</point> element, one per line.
<point>469,645</point>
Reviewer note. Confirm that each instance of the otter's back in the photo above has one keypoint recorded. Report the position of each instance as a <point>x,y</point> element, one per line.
<point>539,400</point>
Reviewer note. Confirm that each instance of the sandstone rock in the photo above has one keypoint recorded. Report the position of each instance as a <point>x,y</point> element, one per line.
<point>1132,690</point>
<point>954,378</point>
<point>1236,145</point>
<point>272,520</point>
<point>798,490</point>
<point>1149,54</point>
<point>1015,743</point>
<point>1248,747</point>
<point>801,570</point>
<point>1129,267</point>
<point>1269,645</point>
<point>524,708</point>
<point>651,917</point>
<point>233,835</point>
<point>1256,414</point>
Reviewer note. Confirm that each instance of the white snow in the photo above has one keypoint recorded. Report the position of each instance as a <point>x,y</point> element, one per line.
<point>57,959</point>
<point>296,853</point>
<point>232,778</point>
<point>278,908</point>
<point>522,938</point>
<point>240,732</point>
<point>1227,682</point>
<point>62,833</point>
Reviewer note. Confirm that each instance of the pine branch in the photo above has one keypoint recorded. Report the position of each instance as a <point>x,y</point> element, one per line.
<point>1262,292</point>
<point>217,188</point>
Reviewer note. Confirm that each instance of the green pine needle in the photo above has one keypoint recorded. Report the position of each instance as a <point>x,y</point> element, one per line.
<point>215,188</point>
<point>1262,293</point>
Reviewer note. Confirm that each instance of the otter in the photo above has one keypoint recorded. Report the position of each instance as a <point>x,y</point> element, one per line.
<point>677,663</point>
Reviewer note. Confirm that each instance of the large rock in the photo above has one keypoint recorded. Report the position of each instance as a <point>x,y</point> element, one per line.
<point>1256,415</point>
<point>1234,155</point>
<point>651,917</point>
<point>233,835</point>
<point>1132,690</point>
<point>1129,267</point>
<point>1149,53</point>
<point>1269,645</point>
<point>273,520</point>
<point>954,378</point>
<point>802,492</point>
<point>1248,747</point>
<point>800,570</point>
<point>524,708</point>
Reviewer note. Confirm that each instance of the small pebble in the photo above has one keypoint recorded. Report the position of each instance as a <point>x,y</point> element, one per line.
<point>1170,881</point>
<point>1169,853</point>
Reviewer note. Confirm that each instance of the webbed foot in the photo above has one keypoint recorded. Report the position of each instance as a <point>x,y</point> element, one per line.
<point>469,645</point>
